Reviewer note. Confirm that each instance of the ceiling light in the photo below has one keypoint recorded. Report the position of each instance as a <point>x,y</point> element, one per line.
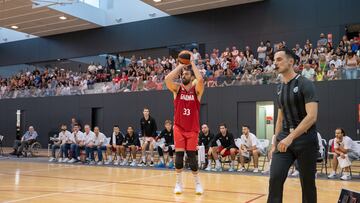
<point>14,27</point>
<point>63,17</point>
<point>157,1</point>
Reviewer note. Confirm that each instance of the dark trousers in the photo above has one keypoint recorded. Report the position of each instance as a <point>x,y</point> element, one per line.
<point>170,150</point>
<point>305,151</point>
<point>20,145</point>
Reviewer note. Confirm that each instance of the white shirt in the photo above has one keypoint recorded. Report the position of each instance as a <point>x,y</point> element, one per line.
<point>348,144</point>
<point>89,138</point>
<point>196,56</point>
<point>77,137</point>
<point>64,136</point>
<point>250,141</point>
<point>321,146</point>
<point>99,139</point>
<point>309,74</point>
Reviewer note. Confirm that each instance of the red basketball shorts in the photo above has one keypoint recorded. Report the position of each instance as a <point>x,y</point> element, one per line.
<point>185,140</point>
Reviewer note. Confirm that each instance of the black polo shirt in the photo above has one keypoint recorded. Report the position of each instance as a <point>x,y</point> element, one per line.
<point>168,136</point>
<point>206,139</point>
<point>292,98</point>
<point>226,141</point>
<point>148,127</point>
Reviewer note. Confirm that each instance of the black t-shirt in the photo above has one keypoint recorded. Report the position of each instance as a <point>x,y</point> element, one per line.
<point>168,136</point>
<point>206,139</point>
<point>226,141</point>
<point>292,98</point>
<point>148,127</point>
<point>131,140</point>
<point>119,139</point>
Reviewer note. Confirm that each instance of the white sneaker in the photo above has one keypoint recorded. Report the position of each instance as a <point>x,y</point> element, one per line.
<point>178,189</point>
<point>133,163</point>
<point>241,169</point>
<point>107,162</point>
<point>231,169</point>
<point>92,162</point>
<point>99,163</point>
<point>116,162</point>
<point>124,163</point>
<point>60,160</point>
<point>208,168</point>
<point>65,160</point>
<point>295,174</point>
<point>52,159</point>
<point>332,175</point>
<point>345,177</point>
<point>266,172</point>
<point>72,161</point>
<point>199,189</point>
<point>218,169</point>
<point>256,170</point>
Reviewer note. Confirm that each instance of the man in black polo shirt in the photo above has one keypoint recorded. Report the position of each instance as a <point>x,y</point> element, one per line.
<point>148,131</point>
<point>295,130</point>
<point>226,148</point>
<point>205,137</point>
<point>132,143</point>
<point>166,144</point>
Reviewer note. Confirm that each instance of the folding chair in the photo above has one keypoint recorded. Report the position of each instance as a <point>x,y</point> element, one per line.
<point>265,144</point>
<point>323,159</point>
<point>1,146</point>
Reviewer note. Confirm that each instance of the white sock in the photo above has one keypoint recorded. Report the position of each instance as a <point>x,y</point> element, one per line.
<point>179,178</point>
<point>152,158</point>
<point>196,178</point>
<point>110,158</point>
<point>143,159</point>
<point>162,160</point>
<point>218,164</point>
<point>209,163</point>
<point>232,164</point>
<point>346,173</point>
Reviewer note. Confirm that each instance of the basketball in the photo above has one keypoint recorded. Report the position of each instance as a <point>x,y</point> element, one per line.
<point>184,57</point>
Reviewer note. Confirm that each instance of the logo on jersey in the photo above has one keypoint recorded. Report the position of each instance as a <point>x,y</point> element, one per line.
<point>187,97</point>
<point>296,89</point>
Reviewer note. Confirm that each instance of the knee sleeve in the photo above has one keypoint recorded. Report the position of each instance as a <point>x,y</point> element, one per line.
<point>179,161</point>
<point>160,151</point>
<point>192,160</point>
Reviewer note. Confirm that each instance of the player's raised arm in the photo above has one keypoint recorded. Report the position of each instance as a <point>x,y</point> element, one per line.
<point>169,79</point>
<point>199,87</point>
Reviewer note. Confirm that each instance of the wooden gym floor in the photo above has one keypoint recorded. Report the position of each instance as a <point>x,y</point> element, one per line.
<point>39,181</point>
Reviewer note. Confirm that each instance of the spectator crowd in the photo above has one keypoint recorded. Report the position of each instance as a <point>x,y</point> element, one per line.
<point>321,61</point>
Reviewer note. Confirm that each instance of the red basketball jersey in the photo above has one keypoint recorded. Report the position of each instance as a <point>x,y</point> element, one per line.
<point>187,110</point>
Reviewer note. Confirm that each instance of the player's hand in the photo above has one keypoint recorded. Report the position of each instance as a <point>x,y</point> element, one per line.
<point>284,144</point>
<point>223,151</point>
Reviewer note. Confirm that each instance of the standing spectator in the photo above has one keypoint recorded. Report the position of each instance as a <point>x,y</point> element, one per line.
<point>248,52</point>
<point>196,55</point>
<point>322,42</point>
<point>148,131</point>
<point>269,50</point>
<point>298,50</point>
<point>27,139</point>
<point>261,50</point>
<point>351,65</point>
<point>345,148</point>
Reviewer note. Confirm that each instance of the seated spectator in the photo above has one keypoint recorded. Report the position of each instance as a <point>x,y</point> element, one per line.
<point>344,148</point>
<point>322,42</point>
<point>308,72</point>
<point>27,139</point>
<point>132,143</point>
<point>227,147</point>
<point>165,142</point>
<point>64,134</point>
<point>116,142</point>
<point>250,146</point>
<point>99,144</point>
<point>89,141</point>
<point>205,137</point>
<point>77,143</point>
<point>261,50</point>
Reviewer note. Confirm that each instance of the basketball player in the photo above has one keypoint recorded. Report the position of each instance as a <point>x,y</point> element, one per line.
<point>187,98</point>
<point>295,130</point>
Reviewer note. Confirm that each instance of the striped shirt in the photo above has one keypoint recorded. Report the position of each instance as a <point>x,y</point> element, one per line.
<point>292,98</point>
